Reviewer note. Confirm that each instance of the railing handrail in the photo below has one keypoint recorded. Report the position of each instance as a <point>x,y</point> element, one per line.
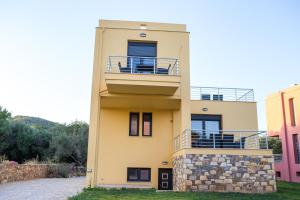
<point>162,58</point>
<point>143,65</point>
<point>222,94</point>
<point>242,139</point>
<point>209,87</point>
<point>257,131</point>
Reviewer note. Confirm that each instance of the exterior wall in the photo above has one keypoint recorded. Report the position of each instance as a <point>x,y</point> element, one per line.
<point>104,165</point>
<point>222,172</point>
<point>118,150</point>
<point>235,115</point>
<point>279,124</point>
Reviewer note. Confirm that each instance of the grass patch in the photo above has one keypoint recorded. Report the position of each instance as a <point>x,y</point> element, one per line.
<point>286,191</point>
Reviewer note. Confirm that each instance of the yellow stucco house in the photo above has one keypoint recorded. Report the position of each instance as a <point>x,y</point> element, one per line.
<point>150,129</point>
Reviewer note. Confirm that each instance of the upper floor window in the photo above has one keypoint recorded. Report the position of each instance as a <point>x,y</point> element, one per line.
<point>142,49</point>
<point>292,112</point>
<point>134,124</point>
<point>147,124</point>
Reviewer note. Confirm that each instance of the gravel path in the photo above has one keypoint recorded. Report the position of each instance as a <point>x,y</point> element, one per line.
<point>42,189</point>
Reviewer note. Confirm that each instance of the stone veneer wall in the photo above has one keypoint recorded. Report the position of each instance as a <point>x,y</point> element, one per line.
<point>11,171</point>
<point>224,173</point>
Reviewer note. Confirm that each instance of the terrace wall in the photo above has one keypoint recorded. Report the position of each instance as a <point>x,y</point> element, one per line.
<point>224,173</point>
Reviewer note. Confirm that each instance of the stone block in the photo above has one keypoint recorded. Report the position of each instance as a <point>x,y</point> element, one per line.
<point>264,183</point>
<point>272,182</point>
<point>188,182</point>
<point>198,163</point>
<point>237,189</point>
<point>229,188</point>
<point>213,163</point>
<point>220,181</point>
<point>269,189</point>
<point>246,175</point>
<point>203,187</point>
<point>267,167</point>
<point>227,180</point>
<point>233,169</point>
<point>212,188</point>
<point>187,171</point>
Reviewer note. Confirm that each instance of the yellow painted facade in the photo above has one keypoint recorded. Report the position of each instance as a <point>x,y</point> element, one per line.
<point>114,95</point>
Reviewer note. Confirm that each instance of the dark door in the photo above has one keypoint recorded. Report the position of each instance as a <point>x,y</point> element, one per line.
<point>165,179</point>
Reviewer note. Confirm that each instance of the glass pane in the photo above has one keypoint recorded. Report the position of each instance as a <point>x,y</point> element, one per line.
<point>197,127</point>
<point>147,117</point>
<point>134,123</point>
<point>132,174</point>
<point>145,175</point>
<point>212,127</point>
<point>141,49</point>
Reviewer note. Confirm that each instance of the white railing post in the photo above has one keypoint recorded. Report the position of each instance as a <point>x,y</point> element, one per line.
<point>214,140</point>
<point>177,67</point>
<point>241,140</point>
<point>131,64</point>
<point>154,66</point>
<point>267,142</point>
<point>235,94</point>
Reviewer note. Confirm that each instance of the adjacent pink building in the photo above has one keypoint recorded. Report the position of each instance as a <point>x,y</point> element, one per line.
<point>283,119</point>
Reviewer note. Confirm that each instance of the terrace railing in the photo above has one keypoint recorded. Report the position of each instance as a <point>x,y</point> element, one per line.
<point>222,94</point>
<point>221,139</point>
<point>142,65</point>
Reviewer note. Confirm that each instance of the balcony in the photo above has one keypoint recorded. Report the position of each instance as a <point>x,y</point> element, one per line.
<point>142,75</point>
<point>221,139</point>
<point>222,94</point>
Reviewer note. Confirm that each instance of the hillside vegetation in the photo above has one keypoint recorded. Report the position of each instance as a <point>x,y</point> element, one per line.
<point>24,138</point>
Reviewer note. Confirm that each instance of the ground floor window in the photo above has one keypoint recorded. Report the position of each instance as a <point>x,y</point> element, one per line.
<point>138,174</point>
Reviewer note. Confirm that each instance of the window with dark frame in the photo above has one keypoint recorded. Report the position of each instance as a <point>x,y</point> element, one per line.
<point>292,112</point>
<point>296,148</point>
<point>147,124</point>
<point>138,174</point>
<point>134,124</point>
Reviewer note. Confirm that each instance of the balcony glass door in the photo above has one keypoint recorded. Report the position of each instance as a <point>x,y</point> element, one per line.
<point>141,57</point>
<point>204,127</point>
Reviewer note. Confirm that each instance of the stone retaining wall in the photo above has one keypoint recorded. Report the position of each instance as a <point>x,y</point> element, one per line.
<point>224,173</point>
<point>11,171</point>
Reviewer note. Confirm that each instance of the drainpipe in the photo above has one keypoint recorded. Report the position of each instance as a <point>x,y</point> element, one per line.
<point>286,136</point>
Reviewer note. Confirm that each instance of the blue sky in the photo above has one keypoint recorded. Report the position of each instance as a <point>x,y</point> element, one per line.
<point>46,48</point>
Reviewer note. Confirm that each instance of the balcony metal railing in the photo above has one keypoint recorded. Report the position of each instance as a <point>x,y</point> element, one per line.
<point>242,139</point>
<point>222,94</point>
<point>278,157</point>
<point>142,65</point>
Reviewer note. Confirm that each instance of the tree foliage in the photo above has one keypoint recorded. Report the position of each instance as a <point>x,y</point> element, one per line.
<point>20,141</point>
<point>275,144</point>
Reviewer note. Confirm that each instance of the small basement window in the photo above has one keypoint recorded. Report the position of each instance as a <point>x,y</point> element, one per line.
<point>297,173</point>
<point>138,174</point>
